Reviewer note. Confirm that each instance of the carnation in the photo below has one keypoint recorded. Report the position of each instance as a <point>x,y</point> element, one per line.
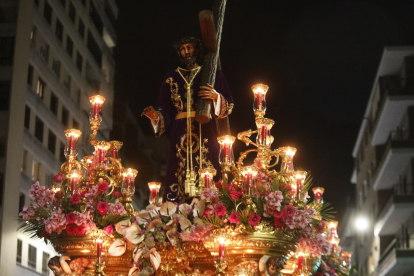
<point>220,209</point>
<point>218,185</point>
<point>279,219</point>
<point>289,211</point>
<point>109,230</point>
<point>235,195</point>
<point>102,207</point>
<point>79,230</point>
<point>71,217</point>
<point>234,217</point>
<point>117,194</point>
<point>209,211</point>
<point>209,194</point>
<point>254,219</point>
<point>58,178</point>
<point>117,208</point>
<point>70,229</point>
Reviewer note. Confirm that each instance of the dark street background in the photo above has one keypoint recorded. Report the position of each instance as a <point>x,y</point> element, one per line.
<point>319,59</point>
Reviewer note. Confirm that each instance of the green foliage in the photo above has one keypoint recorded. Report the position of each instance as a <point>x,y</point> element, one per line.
<point>32,228</point>
<point>212,220</point>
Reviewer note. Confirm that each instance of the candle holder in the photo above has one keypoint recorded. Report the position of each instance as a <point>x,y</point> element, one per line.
<point>128,189</point>
<point>263,138</point>
<point>74,180</point>
<point>287,154</point>
<point>226,157</point>
<point>332,225</point>
<point>95,115</point>
<point>318,192</point>
<point>259,105</point>
<point>154,190</point>
<point>114,162</point>
<point>71,146</point>
<point>101,147</point>
<point>206,177</point>
<point>300,177</point>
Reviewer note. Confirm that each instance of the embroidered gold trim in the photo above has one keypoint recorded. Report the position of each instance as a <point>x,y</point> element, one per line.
<point>175,97</point>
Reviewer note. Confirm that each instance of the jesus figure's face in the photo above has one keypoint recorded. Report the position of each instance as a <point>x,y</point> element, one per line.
<point>187,51</point>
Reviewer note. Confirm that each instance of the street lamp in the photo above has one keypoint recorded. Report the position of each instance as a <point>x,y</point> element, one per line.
<point>361,223</point>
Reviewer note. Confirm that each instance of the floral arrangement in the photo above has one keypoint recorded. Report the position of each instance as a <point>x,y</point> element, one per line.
<point>331,266</point>
<point>78,213</point>
<point>314,242</point>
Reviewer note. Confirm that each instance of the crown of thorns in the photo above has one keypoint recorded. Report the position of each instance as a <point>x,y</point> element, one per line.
<point>189,39</point>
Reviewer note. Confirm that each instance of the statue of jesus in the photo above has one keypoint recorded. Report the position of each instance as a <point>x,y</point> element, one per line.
<point>171,113</point>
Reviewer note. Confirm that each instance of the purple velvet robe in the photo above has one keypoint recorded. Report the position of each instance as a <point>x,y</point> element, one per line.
<point>173,100</point>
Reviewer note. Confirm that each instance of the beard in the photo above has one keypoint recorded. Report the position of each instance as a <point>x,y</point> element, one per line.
<point>188,63</point>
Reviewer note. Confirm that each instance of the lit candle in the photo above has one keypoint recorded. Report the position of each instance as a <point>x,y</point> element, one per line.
<point>99,248</point>
<point>298,184</point>
<point>154,188</point>
<point>226,150</point>
<point>129,179</point>
<point>114,153</point>
<point>333,246</point>
<point>259,96</point>
<point>318,195</point>
<point>206,180</point>
<point>300,260</point>
<point>221,248</point>
<point>72,142</point>
<point>96,108</point>
<point>101,155</point>
<point>74,180</point>
<point>264,134</point>
<point>249,177</point>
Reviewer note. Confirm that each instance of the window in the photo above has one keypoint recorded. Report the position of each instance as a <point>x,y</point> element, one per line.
<point>79,61</point>
<point>75,124</point>
<point>39,129</point>
<point>41,86</point>
<point>24,165</point>
<point>62,152</point>
<point>59,29</point>
<point>49,180</point>
<point>65,117</point>
<point>47,12</point>
<point>19,251</point>
<point>45,260</point>
<point>81,28</point>
<point>30,75</point>
<point>44,52</point>
<point>4,95</point>
<point>51,143</point>
<point>32,255</point>
<point>6,50</point>
<point>53,103</point>
<point>33,37</point>
<point>27,117</point>
<point>78,97</point>
<point>21,202</point>
<point>69,46</point>
<point>67,83</point>
<point>94,48</point>
<point>72,12</point>
<point>96,18</point>
<point>56,67</point>
<point>39,172</point>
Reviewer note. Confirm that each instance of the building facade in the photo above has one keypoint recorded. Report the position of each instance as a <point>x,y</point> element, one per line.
<point>384,169</point>
<point>54,54</point>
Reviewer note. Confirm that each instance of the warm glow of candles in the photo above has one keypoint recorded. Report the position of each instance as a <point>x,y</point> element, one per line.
<point>99,248</point>
<point>74,181</point>
<point>154,189</point>
<point>221,247</point>
<point>300,260</point>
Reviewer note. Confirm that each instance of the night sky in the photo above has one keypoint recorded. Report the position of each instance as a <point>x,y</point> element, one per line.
<point>319,59</point>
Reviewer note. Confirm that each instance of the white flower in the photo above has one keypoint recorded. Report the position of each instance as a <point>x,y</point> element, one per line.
<point>154,224</point>
<point>168,208</point>
<point>132,234</point>
<point>137,254</point>
<point>117,248</point>
<point>199,208</point>
<point>184,209</point>
<point>122,226</point>
<point>155,259</point>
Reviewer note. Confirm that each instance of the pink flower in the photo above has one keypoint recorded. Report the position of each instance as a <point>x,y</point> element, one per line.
<point>289,211</point>
<point>209,211</point>
<point>58,178</point>
<point>321,227</point>
<point>234,217</point>
<point>220,209</point>
<point>70,229</point>
<point>279,219</point>
<point>102,187</point>
<point>230,187</point>
<point>71,217</point>
<point>235,195</point>
<point>117,194</point>
<point>109,230</point>
<point>209,194</point>
<point>75,198</point>
<point>56,222</point>
<point>254,219</point>
<point>102,207</point>
<point>79,230</point>
<point>117,208</point>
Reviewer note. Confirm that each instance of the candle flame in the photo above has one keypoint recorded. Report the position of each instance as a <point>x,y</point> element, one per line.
<point>221,240</point>
<point>99,241</point>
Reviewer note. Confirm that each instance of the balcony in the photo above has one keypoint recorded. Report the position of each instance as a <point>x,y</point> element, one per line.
<point>397,259</point>
<point>395,96</point>
<point>392,159</point>
<point>397,209</point>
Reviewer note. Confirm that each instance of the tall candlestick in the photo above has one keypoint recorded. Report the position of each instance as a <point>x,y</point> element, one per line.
<point>300,260</point>
<point>259,99</point>
<point>264,134</point>
<point>74,180</point>
<point>221,248</point>
<point>96,108</point>
<point>72,142</point>
<point>99,248</point>
<point>206,180</point>
<point>226,150</point>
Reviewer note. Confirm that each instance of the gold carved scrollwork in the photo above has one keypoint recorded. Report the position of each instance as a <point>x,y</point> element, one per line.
<point>175,97</point>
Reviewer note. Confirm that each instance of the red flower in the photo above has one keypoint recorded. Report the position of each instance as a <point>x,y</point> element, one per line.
<point>254,219</point>
<point>79,230</point>
<point>289,212</point>
<point>321,227</point>
<point>209,211</point>
<point>279,219</point>
<point>58,195</point>
<point>75,198</point>
<point>58,178</point>
<point>70,229</point>
<point>218,185</point>
<point>83,193</point>
<point>102,187</point>
<point>117,194</point>
<point>235,195</point>
<point>71,217</point>
<point>102,207</point>
<point>220,209</point>
<point>234,217</point>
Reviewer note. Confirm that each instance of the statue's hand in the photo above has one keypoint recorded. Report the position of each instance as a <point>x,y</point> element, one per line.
<point>150,113</point>
<point>208,93</point>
